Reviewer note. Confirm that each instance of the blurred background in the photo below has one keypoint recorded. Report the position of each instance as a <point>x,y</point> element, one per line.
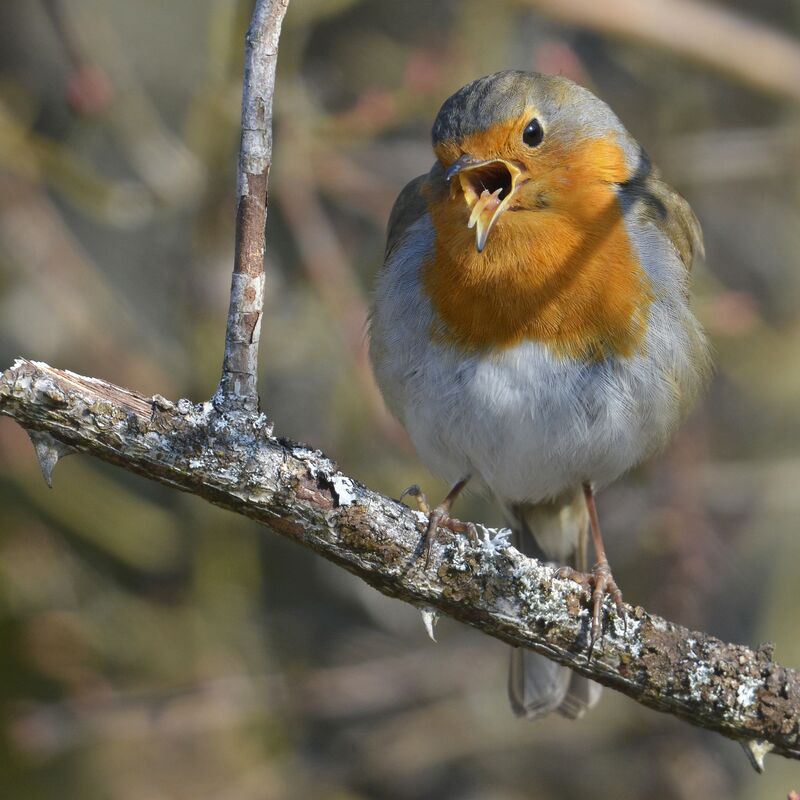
<point>157,648</point>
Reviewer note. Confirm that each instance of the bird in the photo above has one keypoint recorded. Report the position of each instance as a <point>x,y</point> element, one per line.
<point>531,327</point>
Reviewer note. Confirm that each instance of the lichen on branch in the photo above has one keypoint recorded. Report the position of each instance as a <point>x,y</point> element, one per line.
<point>233,460</point>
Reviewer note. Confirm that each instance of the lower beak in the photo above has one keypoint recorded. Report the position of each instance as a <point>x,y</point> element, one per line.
<point>488,187</point>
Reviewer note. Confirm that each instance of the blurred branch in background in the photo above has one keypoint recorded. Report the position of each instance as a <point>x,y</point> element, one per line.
<point>162,161</point>
<point>709,35</point>
<point>328,268</point>
<point>734,154</point>
<point>123,203</point>
<point>89,90</point>
<point>53,267</point>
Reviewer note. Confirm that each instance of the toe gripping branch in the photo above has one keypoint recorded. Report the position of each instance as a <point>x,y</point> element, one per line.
<point>597,584</point>
<point>601,581</point>
<point>439,517</point>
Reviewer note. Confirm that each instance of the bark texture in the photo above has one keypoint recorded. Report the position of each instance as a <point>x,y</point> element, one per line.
<point>233,460</point>
<point>237,387</point>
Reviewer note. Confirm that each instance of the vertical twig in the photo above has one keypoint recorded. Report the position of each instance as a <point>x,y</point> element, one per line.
<point>237,388</point>
<point>65,33</point>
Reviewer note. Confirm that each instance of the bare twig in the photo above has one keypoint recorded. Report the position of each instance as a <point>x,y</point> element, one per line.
<point>329,693</point>
<point>715,37</point>
<point>237,387</point>
<point>235,462</point>
<point>89,89</point>
<point>72,45</point>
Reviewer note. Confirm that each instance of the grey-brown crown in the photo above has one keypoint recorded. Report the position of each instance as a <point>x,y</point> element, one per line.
<point>561,104</point>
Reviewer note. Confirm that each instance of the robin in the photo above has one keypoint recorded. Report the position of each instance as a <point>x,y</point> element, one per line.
<point>531,326</point>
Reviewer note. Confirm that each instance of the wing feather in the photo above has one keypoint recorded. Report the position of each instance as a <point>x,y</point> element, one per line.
<point>654,201</point>
<point>408,208</point>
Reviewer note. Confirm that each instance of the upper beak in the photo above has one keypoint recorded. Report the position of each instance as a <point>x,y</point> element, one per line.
<point>488,187</point>
<point>465,162</point>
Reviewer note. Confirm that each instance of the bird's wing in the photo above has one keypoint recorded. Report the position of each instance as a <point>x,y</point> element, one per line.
<point>408,208</point>
<point>657,203</point>
<point>674,216</point>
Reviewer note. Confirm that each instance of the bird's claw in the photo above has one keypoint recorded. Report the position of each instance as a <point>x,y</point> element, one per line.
<point>417,493</point>
<point>597,585</point>
<point>439,518</point>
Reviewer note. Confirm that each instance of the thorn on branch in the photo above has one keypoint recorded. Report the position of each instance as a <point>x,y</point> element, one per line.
<point>48,452</point>
<point>429,619</point>
<point>755,750</point>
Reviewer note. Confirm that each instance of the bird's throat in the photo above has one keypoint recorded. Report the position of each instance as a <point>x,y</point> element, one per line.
<point>570,281</point>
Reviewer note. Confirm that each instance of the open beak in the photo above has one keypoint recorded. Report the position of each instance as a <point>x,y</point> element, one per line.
<point>488,187</point>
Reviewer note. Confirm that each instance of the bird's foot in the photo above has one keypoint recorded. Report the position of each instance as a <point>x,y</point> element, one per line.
<point>439,517</point>
<point>597,585</point>
<point>416,492</point>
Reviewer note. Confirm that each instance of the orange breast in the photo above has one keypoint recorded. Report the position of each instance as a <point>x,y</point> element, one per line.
<point>565,274</point>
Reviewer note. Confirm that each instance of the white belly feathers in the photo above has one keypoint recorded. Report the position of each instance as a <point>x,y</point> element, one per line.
<point>525,423</point>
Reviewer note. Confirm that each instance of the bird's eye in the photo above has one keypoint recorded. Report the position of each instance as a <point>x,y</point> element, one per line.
<point>533,133</point>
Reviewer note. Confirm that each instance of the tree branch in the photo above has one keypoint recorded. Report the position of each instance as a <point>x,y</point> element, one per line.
<point>237,387</point>
<point>234,461</point>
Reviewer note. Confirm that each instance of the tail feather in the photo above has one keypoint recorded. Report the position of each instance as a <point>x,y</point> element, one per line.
<point>536,685</point>
<point>581,695</point>
<point>555,531</point>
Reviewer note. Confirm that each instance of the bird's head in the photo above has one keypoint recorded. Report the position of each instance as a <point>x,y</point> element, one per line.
<point>516,148</point>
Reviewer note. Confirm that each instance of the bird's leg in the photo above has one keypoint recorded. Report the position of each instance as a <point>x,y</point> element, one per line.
<point>440,516</point>
<point>601,582</point>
